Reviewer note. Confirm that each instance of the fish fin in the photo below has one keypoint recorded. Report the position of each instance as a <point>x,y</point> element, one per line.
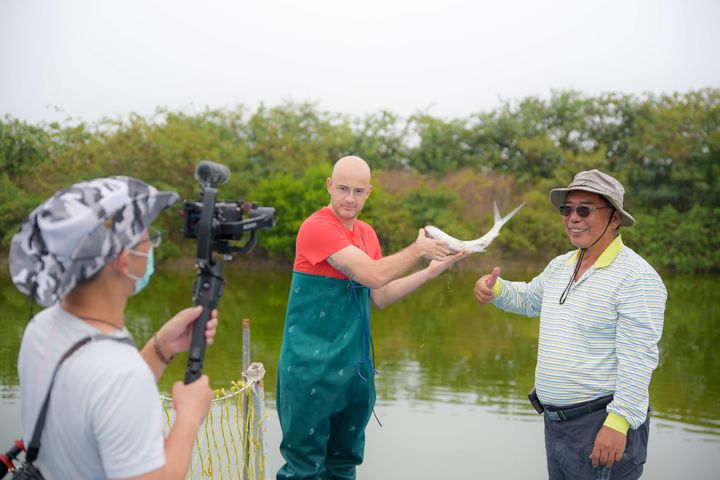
<point>509,215</point>
<point>496,210</point>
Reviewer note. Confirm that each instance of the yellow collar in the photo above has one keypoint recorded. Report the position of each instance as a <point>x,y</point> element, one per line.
<point>606,257</point>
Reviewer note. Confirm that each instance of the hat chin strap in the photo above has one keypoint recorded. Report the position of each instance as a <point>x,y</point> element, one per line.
<point>566,292</point>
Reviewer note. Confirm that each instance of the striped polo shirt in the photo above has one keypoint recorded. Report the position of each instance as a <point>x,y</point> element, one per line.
<point>603,339</point>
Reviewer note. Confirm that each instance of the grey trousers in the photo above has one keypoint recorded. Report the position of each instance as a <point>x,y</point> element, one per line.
<point>568,446</point>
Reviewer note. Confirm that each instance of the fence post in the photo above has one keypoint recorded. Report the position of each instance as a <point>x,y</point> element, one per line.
<point>245,344</point>
<point>245,399</point>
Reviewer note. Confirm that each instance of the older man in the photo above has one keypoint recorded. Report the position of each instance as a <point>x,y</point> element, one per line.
<point>601,311</point>
<point>325,389</point>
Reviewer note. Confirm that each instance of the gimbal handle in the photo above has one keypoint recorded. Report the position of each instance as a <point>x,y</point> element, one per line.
<point>208,288</point>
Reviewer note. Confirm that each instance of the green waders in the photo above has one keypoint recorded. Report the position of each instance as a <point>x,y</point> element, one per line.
<point>325,386</point>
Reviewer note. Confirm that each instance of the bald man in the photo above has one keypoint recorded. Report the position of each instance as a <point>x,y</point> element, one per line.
<point>325,388</point>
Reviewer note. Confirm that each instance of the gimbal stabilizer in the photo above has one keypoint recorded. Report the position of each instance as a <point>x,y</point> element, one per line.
<point>215,224</point>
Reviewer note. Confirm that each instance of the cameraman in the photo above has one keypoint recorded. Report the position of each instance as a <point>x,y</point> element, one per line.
<point>82,254</point>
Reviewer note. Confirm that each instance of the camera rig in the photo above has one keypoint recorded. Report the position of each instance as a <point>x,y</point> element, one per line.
<point>215,225</point>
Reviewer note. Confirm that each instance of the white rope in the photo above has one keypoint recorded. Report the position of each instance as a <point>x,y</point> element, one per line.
<point>254,374</point>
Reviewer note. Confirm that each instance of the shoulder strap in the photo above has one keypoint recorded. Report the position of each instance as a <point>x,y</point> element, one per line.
<point>34,447</point>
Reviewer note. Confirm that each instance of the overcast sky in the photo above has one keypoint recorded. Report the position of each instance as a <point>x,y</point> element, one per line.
<point>87,59</point>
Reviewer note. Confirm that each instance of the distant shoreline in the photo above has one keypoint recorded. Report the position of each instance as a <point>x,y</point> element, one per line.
<point>481,263</point>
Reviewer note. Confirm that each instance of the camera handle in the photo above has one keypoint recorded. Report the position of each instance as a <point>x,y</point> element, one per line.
<point>207,291</point>
<point>208,286</point>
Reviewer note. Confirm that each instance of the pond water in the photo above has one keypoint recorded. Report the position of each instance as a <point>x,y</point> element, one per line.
<point>452,392</point>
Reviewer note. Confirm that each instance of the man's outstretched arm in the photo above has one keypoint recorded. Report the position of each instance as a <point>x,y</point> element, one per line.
<point>400,288</point>
<point>357,265</point>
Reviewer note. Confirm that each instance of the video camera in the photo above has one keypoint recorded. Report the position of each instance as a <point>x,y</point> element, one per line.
<point>216,224</point>
<point>226,222</point>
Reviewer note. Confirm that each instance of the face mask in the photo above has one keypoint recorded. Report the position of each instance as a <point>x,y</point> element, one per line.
<point>141,282</point>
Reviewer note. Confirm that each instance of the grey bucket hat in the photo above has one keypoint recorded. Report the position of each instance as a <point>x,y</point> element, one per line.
<point>77,231</point>
<point>598,182</point>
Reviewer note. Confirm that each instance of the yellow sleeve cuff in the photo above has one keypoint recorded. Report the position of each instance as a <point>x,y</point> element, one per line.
<point>497,288</point>
<point>617,423</point>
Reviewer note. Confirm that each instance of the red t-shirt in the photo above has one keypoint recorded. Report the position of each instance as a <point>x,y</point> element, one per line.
<point>322,234</point>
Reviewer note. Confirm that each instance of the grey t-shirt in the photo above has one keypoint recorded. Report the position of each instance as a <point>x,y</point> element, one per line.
<point>105,419</point>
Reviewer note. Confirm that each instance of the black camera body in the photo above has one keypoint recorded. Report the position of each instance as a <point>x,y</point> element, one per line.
<point>215,223</point>
<point>231,220</point>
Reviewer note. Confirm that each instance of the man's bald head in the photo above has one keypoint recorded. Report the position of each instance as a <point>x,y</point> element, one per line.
<point>352,167</point>
<point>349,187</point>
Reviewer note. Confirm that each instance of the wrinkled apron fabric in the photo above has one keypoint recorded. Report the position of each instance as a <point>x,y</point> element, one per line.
<point>325,386</point>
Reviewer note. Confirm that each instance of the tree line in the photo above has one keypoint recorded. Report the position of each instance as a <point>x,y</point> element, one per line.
<point>426,170</point>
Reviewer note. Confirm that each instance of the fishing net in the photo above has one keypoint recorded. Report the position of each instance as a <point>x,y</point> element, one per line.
<point>231,443</point>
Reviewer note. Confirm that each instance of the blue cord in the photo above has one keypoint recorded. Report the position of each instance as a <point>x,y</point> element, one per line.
<point>366,338</point>
<point>366,329</point>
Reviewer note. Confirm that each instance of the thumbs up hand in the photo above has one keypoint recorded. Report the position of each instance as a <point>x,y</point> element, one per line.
<point>484,286</point>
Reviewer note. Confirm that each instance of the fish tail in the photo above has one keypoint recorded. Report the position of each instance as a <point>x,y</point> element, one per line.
<point>496,210</point>
<point>508,216</point>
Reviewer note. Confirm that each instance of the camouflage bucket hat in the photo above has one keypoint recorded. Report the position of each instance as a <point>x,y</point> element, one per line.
<point>77,231</point>
<point>598,182</point>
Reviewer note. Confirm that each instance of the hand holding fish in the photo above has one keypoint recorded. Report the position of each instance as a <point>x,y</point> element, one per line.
<point>436,267</point>
<point>484,286</point>
<point>432,249</point>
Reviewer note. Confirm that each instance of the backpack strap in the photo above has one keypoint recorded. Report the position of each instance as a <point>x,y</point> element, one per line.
<point>34,446</point>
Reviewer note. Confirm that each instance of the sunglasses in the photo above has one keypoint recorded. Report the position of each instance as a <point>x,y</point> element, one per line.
<point>582,210</point>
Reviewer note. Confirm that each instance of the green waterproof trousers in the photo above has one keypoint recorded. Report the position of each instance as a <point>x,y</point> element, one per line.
<point>325,385</point>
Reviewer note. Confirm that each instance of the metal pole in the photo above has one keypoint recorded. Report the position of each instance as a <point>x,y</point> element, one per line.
<point>246,344</point>
<point>245,399</point>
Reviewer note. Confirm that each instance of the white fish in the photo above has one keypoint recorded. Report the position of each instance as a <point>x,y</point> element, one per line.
<point>478,245</point>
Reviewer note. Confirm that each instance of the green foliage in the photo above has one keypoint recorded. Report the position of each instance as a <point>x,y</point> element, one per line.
<point>397,218</point>
<point>665,150</point>
<point>392,223</point>
<point>426,207</point>
<point>291,138</point>
<point>22,146</point>
<point>15,204</point>
<point>536,231</point>
<point>381,140</point>
<point>443,147</point>
<point>682,241</point>
<point>294,198</point>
